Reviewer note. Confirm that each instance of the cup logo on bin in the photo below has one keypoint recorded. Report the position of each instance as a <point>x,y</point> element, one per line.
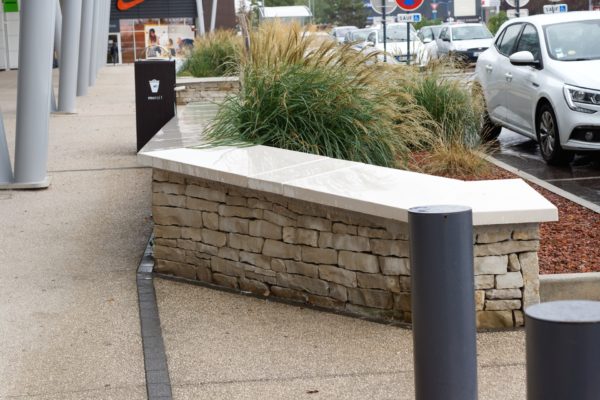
<point>154,84</point>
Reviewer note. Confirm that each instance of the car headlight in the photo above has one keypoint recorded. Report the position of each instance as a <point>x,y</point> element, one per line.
<point>576,97</point>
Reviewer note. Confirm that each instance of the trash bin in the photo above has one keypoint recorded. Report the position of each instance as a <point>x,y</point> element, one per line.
<point>154,97</point>
<point>563,350</point>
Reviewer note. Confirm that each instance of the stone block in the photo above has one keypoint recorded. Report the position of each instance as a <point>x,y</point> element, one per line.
<point>344,229</point>
<point>207,249</point>
<point>503,294</point>
<point>167,232</point>
<point>271,280</point>
<point>194,234</point>
<point>205,193</point>
<point>185,244</point>
<point>252,286</point>
<point>377,281</point>
<point>508,247</point>
<point>287,293</point>
<point>169,200</point>
<point>300,236</point>
<point>246,243</point>
<point>526,232</point>
<point>325,240</point>
<point>210,220</point>
<point>510,280</point>
<point>371,298</point>
<point>337,275</point>
<point>175,268</point>
<point>531,278</point>
<point>273,248</point>
<point>265,229</point>
<point>278,265</point>
<point>491,265</point>
<point>235,225</point>
<point>519,319</point>
<point>325,302</point>
<point>310,285</point>
<point>260,204</point>
<point>406,283</point>
<point>236,201</point>
<point>257,260</point>
<point>226,281</point>
<point>169,253</point>
<point>403,301</point>
<point>196,258</point>
<point>214,238</point>
<point>314,223</point>
<point>358,261</point>
<point>494,319</point>
<point>229,254</point>
<point>351,243</point>
<point>499,305</point>
<point>394,266</point>
<point>479,299</point>
<point>484,281</point>
<point>385,247</point>
<point>513,263</point>
<point>338,292</point>
<point>300,268</point>
<point>374,233</point>
<point>226,267</point>
<point>278,219</point>
<point>257,270</point>
<point>202,205</point>
<point>279,207</point>
<point>492,234</point>
<point>373,313</point>
<point>307,209</point>
<point>240,212</point>
<point>160,175</point>
<point>165,242</point>
<point>176,216</point>
<point>318,256</point>
<point>168,188</point>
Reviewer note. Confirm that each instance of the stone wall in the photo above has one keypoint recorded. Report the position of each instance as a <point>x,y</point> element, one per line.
<point>194,90</point>
<point>336,259</point>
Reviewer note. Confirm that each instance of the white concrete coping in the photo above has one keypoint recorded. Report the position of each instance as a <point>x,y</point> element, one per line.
<point>368,189</point>
<point>185,80</point>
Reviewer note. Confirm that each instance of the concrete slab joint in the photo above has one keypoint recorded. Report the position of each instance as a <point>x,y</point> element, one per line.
<point>270,245</point>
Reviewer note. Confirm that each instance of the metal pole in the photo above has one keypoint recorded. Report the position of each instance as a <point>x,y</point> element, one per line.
<point>36,42</point>
<point>517,11</point>
<point>383,10</point>
<point>85,42</point>
<point>200,7</point>
<point>94,42</point>
<point>407,42</point>
<point>6,174</point>
<point>563,350</point>
<point>443,304</point>
<point>71,31</point>
<point>213,17</point>
<point>57,30</point>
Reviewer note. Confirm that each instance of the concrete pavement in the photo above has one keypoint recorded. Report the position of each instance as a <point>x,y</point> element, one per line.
<point>69,325</point>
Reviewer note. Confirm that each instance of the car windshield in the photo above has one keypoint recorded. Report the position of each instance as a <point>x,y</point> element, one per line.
<point>397,33</point>
<point>573,41</point>
<point>360,35</point>
<point>471,32</point>
<point>341,32</point>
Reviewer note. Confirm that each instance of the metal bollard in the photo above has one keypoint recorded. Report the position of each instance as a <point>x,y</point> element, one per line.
<point>563,350</point>
<point>443,304</point>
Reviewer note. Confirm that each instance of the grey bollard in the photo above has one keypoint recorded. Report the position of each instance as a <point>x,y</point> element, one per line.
<point>563,350</point>
<point>443,303</point>
<point>6,174</point>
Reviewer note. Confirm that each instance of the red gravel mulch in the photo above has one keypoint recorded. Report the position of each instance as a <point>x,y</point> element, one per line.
<point>572,244</point>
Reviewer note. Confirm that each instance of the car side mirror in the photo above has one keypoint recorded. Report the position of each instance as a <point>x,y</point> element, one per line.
<point>446,39</point>
<point>523,58</point>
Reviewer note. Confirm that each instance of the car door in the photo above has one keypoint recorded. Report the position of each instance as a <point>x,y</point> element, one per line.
<point>443,42</point>
<point>495,71</point>
<point>523,84</point>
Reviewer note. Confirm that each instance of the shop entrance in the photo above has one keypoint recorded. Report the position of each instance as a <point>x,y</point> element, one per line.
<point>114,38</point>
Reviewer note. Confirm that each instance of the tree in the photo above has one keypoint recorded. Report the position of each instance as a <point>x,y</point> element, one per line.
<point>341,12</point>
<point>494,22</point>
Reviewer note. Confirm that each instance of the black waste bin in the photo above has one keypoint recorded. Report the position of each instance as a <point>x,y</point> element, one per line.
<point>154,97</point>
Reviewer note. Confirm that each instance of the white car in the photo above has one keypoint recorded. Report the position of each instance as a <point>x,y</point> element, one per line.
<point>464,41</point>
<point>339,32</point>
<point>358,37</point>
<point>428,36</point>
<point>540,79</point>
<point>397,41</point>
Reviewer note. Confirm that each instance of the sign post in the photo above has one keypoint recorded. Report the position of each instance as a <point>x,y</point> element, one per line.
<point>383,7</point>
<point>555,8</point>
<point>408,6</point>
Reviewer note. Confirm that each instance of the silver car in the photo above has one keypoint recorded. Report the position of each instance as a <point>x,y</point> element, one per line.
<point>540,79</point>
<point>463,41</point>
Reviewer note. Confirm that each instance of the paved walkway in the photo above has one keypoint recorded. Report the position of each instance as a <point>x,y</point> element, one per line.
<point>69,326</point>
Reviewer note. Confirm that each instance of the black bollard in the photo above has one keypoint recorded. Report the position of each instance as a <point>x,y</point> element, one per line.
<point>563,350</point>
<point>443,303</point>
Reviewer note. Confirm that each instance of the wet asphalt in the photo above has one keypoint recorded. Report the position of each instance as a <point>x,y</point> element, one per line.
<point>580,178</point>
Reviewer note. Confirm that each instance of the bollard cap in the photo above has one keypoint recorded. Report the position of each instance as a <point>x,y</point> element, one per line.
<point>568,311</point>
<point>439,209</point>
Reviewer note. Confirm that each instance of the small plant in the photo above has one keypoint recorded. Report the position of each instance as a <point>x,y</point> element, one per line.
<point>494,22</point>
<point>216,54</point>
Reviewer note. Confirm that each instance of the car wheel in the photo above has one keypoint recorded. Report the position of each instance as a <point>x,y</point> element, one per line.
<point>549,139</point>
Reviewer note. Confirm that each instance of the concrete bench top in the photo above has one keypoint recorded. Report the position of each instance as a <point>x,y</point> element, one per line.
<point>364,188</point>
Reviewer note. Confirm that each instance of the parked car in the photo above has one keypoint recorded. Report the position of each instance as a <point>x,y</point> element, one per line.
<point>358,37</point>
<point>397,41</point>
<point>428,36</point>
<point>339,32</point>
<point>540,79</point>
<point>464,41</point>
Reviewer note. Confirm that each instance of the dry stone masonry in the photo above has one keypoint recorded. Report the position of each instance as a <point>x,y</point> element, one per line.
<point>336,259</point>
<point>193,90</point>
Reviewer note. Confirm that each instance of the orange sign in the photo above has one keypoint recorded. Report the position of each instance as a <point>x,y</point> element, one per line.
<point>124,5</point>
